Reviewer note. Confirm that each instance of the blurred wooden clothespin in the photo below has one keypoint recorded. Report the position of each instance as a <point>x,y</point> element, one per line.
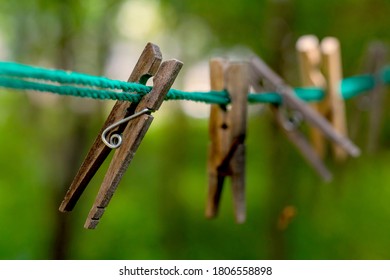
<point>132,133</point>
<point>320,66</point>
<point>289,123</point>
<point>370,106</point>
<point>227,129</point>
<point>263,76</point>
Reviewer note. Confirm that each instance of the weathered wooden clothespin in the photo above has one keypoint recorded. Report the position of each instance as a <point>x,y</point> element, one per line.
<point>264,75</point>
<point>132,133</point>
<point>320,65</point>
<point>227,129</point>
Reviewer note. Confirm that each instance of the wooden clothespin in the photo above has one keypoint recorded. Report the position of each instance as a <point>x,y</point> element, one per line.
<point>368,115</point>
<point>263,74</point>
<point>227,130</point>
<point>321,67</point>
<point>290,127</point>
<point>132,132</point>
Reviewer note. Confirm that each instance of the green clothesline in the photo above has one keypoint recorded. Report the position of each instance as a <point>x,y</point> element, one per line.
<point>24,77</point>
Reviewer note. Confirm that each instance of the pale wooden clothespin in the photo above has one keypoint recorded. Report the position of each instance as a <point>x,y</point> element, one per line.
<point>320,65</point>
<point>227,130</point>
<point>132,133</point>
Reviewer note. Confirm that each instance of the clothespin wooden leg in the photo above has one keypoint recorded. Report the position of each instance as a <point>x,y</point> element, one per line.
<point>238,87</point>
<point>298,139</point>
<point>133,135</point>
<point>146,67</point>
<point>330,48</point>
<point>227,135</point>
<point>219,125</point>
<point>309,54</point>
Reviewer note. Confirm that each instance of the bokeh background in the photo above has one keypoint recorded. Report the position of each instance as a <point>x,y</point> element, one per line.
<point>158,209</point>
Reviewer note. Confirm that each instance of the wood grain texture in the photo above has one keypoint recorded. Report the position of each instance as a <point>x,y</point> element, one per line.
<point>147,66</point>
<point>219,128</point>
<point>238,87</point>
<point>132,137</point>
<point>227,130</point>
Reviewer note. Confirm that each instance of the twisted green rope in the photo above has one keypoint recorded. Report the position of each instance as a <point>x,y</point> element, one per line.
<point>20,76</point>
<point>66,77</point>
<point>69,90</point>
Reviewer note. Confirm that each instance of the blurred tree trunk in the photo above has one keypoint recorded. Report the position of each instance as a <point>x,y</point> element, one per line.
<point>281,187</point>
<point>62,40</point>
<point>56,31</point>
<point>73,26</point>
<point>75,141</point>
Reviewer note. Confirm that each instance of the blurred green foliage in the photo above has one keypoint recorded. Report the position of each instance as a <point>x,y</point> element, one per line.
<point>157,212</point>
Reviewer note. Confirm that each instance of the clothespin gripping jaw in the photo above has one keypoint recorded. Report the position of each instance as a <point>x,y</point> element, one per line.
<point>309,53</point>
<point>146,67</point>
<point>133,135</point>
